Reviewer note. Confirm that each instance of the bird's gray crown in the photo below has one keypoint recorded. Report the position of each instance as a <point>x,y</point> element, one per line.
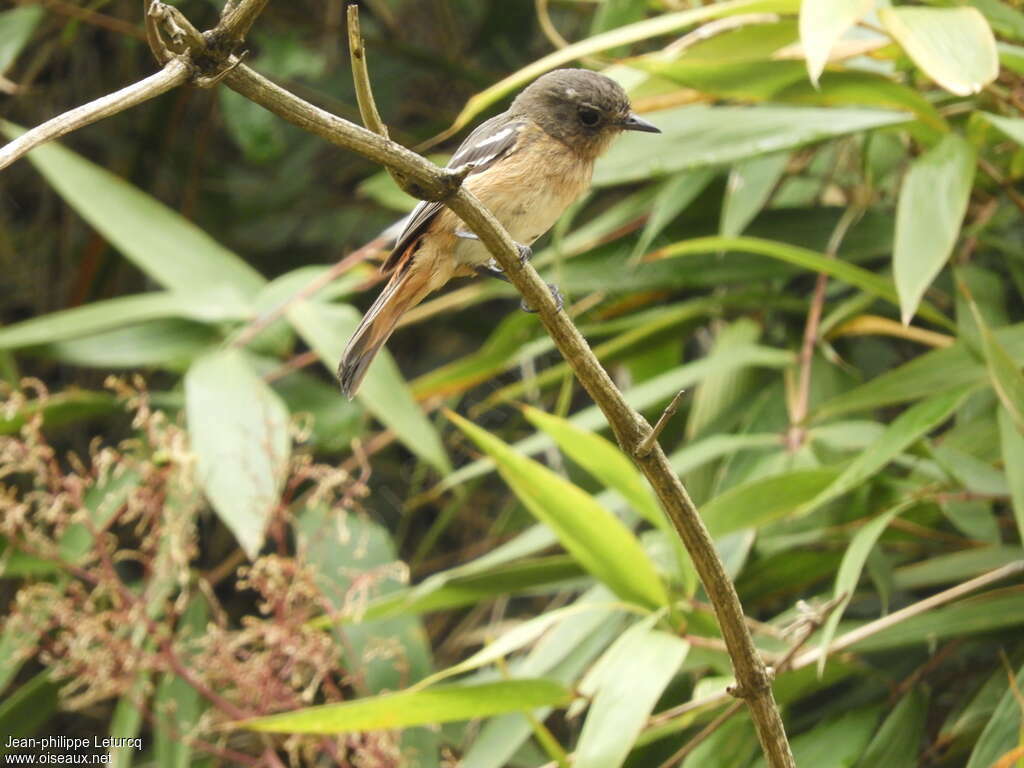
<point>582,108</point>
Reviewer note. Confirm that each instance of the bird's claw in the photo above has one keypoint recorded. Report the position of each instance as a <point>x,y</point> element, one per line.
<point>555,294</point>
<point>525,252</point>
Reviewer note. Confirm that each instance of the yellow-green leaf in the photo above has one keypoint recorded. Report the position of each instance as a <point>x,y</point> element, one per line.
<point>595,537</point>
<point>822,23</point>
<point>955,47</point>
<point>440,704</point>
<point>933,201</point>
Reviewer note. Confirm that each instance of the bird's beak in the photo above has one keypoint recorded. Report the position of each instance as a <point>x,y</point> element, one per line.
<point>634,123</point>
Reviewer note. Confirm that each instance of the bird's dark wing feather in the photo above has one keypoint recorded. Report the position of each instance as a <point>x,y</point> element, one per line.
<point>485,146</point>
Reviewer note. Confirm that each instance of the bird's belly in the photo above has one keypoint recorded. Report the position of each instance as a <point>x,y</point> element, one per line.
<point>526,207</point>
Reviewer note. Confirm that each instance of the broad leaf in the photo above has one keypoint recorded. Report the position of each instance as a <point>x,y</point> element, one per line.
<point>701,135</point>
<point>239,431</point>
<point>955,47</point>
<point>161,242</point>
<point>932,204</point>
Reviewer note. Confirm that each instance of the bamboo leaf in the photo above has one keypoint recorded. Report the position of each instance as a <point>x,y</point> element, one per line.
<point>849,573</point>
<point>932,204</point>
<point>822,23</point>
<point>635,672</point>
<point>238,429</point>
<point>159,241</point>
<point>909,427</point>
<point>428,706</point>
<point>955,47</point>
<point>598,540</point>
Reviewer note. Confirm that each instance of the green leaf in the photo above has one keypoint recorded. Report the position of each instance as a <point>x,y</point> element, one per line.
<point>635,672</point>
<point>646,395</point>
<point>25,710</point>
<point>499,352</point>
<point>751,182</point>
<point>1003,731</point>
<point>1012,443</point>
<point>766,500</point>
<point>898,742</point>
<point>609,466</point>
<point>238,429</point>
<point>384,393</point>
<point>675,194</point>
<point>955,567</point>
<point>932,204</point>
<point>177,705</point>
<point>836,742</point>
<point>1005,374</point>
<point>159,241</point>
<point>797,256</point>
<point>1005,21</point>
<point>850,569</point>
<point>169,343</point>
<point>445,590</point>
<point>822,24</point>
<point>1013,127</point>
<point>113,313</point>
<point>598,540</point>
<point>603,460</point>
<point>955,47</point>
<point>518,637</point>
<point>58,409</point>
<point>909,427</point>
<point>126,721</point>
<point>428,706</point>
<point>929,374</point>
<point>700,135</point>
<point>16,27</point>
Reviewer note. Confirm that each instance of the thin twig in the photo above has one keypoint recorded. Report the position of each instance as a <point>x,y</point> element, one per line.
<point>942,598</point>
<point>797,432</point>
<point>235,22</point>
<point>670,410</point>
<point>361,76</point>
<point>176,72</point>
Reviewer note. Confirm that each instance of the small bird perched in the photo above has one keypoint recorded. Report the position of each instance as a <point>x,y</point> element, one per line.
<point>526,165</point>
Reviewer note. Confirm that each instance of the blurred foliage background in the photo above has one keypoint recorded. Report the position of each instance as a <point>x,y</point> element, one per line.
<point>824,248</point>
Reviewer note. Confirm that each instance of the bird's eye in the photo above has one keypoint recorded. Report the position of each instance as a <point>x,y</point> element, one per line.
<point>589,116</point>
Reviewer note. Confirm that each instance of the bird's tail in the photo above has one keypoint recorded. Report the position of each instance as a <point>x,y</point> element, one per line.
<point>405,290</point>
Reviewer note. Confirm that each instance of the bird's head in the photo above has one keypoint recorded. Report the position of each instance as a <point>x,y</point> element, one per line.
<point>583,109</point>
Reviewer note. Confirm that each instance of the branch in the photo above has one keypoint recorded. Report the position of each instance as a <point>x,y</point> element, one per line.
<point>176,71</point>
<point>427,181</point>
<point>214,60</point>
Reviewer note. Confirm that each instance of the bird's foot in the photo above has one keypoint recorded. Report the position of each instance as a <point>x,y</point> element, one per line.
<point>555,294</point>
<point>525,251</point>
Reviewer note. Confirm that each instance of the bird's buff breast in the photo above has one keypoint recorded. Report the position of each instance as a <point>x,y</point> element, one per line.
<point>526,192</point>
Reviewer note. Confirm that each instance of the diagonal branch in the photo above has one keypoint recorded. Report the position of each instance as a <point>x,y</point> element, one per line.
<point>213,54</point>
<point>426,181</point>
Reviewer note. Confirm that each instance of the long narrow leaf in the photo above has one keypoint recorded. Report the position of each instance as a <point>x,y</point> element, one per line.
<point>588,531</point>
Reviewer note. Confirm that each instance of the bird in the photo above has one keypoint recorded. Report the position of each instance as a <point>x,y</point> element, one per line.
<point>526,165</point>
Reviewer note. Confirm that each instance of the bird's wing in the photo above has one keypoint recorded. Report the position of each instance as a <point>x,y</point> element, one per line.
<point>489,143</point>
